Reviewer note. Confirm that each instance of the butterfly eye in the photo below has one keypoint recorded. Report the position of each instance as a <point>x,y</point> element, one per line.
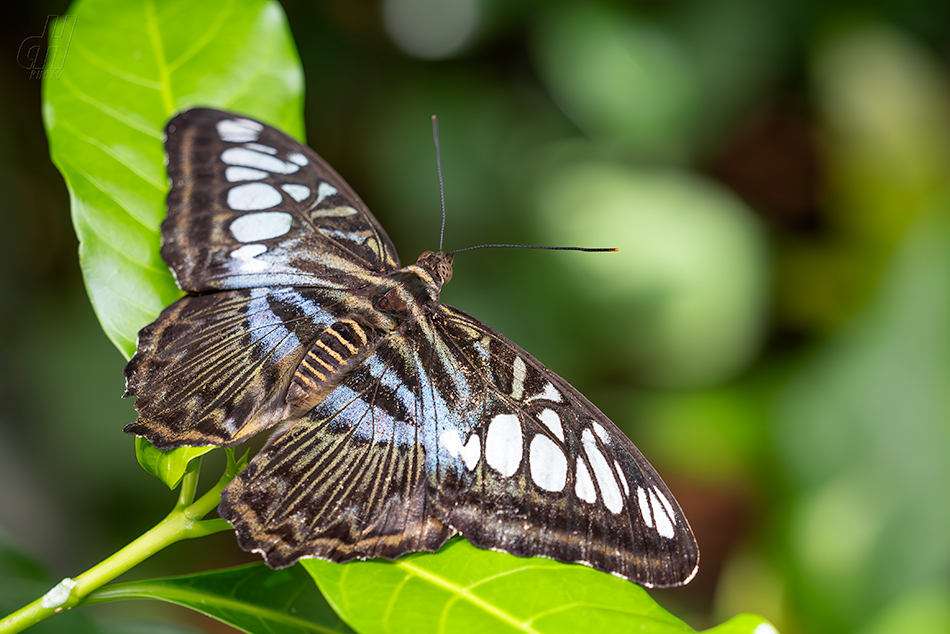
<point>438,265</point>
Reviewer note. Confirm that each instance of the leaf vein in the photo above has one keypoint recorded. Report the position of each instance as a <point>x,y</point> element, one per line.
<point>201,42</point>
<point>198,601</point>
<point>115,247</point>
<point>108,284</point>
<point>135,216</point>
<point>164,77</point>
<point>251,79</point>
<point>112,153</point>
<point>97,61</point>
<point>469,596</point>
<point>138,126</point>
<point>497,576</point>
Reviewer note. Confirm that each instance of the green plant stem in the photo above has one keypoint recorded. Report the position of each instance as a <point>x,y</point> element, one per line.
<point>184,522</point>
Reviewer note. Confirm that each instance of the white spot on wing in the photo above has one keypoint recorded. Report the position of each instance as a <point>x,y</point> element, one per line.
<point>248,251</point>
<point>298,158</point>
<point>234,174</point>
<point>469,452</point>
<point>644,504</point>
<point>518,372</point>
<point>245,256</point>
<point>604,474</point>
<point>253,196</point>
<point>622,478</point>
<point>359,237</point>
<point>553,422</point>
<point>584,486</point>
<point>238,130</point>
<point>549,393</point>
<point>664,522</point>
<point>260,226</point>
<point>261,148</point>
<point>504,444</point>
<point>297,192</point>
<point>325,190</point>
<point>600,431</point>
<point>548,464</point>
<point>666,504</point>
<point>257,160</point>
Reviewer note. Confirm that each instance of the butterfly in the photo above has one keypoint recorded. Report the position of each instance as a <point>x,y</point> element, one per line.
<point>402,421</point>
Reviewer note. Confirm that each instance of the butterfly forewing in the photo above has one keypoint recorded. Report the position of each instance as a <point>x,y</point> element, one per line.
<point>249,206</point>
<point>406,420</point>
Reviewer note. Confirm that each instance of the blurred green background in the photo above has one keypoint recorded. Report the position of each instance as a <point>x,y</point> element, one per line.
<point>774,332</point>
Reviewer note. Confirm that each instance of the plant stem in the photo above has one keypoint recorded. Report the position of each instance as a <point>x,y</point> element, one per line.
<point>184,522</point>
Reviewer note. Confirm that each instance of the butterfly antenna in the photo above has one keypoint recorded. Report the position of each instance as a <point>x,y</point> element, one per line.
<point>438,166</point>
<point>531,246</point>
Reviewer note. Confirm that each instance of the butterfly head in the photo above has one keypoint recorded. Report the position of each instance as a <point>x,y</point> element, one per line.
<point>437,265</point>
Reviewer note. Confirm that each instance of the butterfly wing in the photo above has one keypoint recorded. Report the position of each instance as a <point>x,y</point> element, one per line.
<point>261,218</point>
<point>348,480</point>
<point>213,369</point>
<point>540,471</point>
<point>250,206</point>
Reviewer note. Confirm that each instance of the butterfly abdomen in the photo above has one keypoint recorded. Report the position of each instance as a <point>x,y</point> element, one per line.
<point>330,357</point>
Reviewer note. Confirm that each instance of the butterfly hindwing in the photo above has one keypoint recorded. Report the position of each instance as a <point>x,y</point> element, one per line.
<point>214,369</point>
<point>348,480</point>
<point>250,206</point>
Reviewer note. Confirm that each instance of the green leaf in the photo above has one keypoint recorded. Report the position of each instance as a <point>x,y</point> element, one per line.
<point>128,68</point>
<point>104,117</point>
<point>252,598</point>
<point>465,589</point>
<point>744,624</point>
<point>167,466</point>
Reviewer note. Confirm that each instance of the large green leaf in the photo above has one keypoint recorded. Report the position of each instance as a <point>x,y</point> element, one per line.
<point>129,67</point>
<point>252,598</point>
<point>463,589</point>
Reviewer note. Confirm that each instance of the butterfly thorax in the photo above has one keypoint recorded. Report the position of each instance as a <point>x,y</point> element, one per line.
<point>400,299</point>
<point>411,287</point>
